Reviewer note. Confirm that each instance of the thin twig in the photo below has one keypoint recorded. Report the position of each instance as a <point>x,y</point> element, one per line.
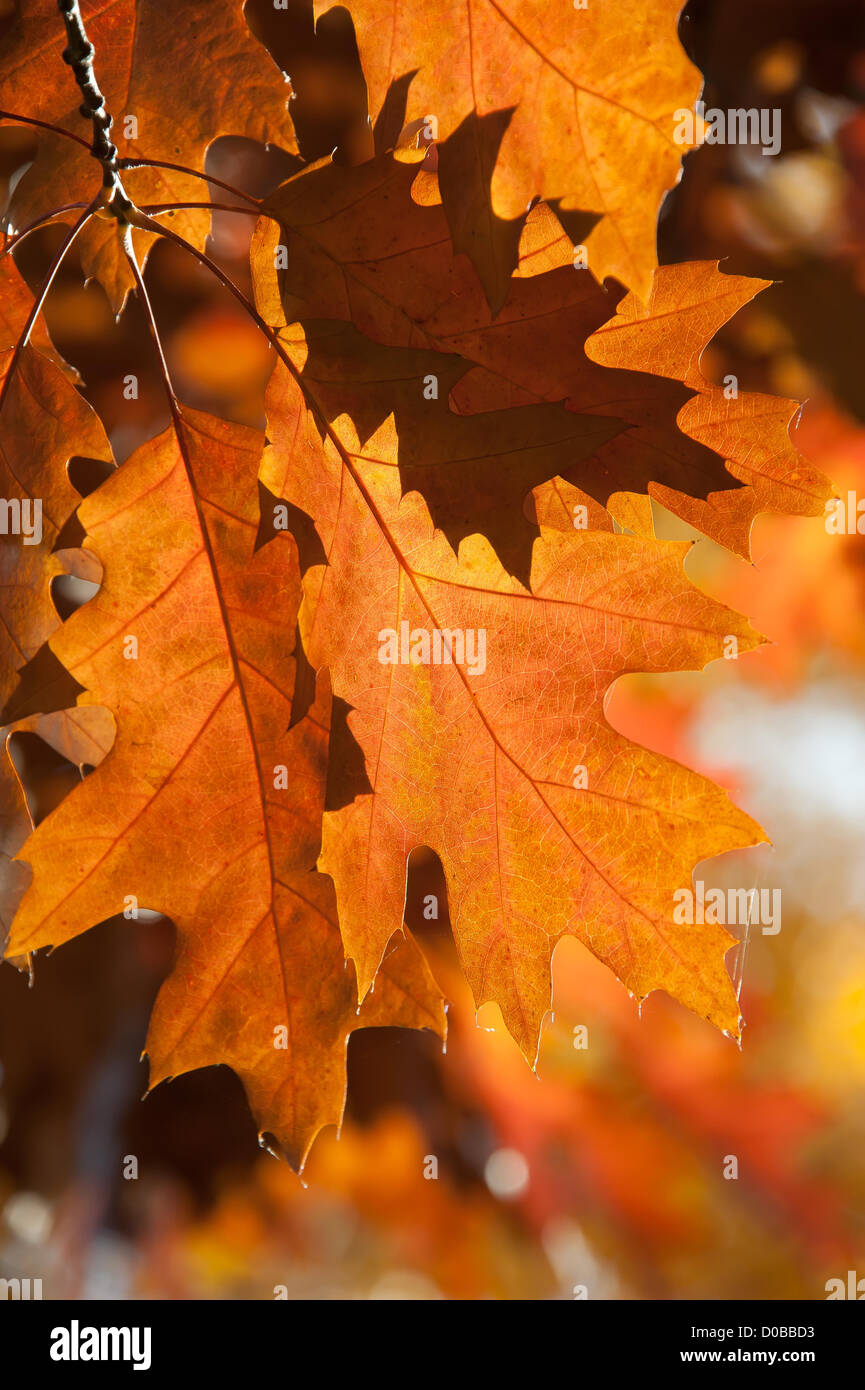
<point>151,320</point>
<point>12,241</point>
<point>193,173</point>
<point>44,125</point>
<point>41,297</point>
<point>224,279</point>
<point>157,208</point>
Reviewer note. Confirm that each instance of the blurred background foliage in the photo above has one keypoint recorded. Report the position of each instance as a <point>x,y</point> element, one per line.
<point>606,1168</point>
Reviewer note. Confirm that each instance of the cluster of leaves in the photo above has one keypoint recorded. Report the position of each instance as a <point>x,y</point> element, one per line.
<point>452,391</point>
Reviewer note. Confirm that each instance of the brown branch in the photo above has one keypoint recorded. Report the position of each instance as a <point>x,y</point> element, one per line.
<point>11,239</point>
<point>156,208</point>
<point>138,163</point>
<point>79,56</point>
<point>43,125</point>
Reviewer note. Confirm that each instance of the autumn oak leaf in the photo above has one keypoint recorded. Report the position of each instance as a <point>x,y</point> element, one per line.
<point>370,246</point>
<point>478,704</point>
<point>208,807</point>
<point>576,105</point>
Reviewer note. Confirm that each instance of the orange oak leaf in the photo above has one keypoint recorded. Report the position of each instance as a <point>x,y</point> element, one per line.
<point>208,808</point>
<point>749,430</point>
<point>478,705</point>
<point>43,423</point>
<point>371,246</point>
<point>576,105</point>
<point>175,77</point>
